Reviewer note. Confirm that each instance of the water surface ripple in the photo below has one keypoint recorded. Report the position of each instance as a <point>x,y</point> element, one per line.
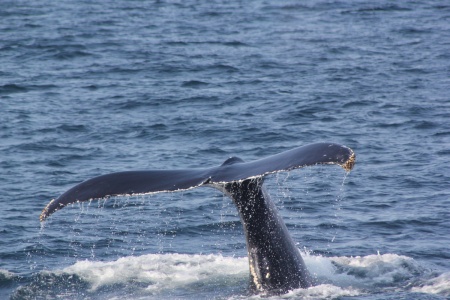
<point>88,88</point>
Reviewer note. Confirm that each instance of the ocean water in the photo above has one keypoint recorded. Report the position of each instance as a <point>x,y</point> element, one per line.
<point>88,88</point>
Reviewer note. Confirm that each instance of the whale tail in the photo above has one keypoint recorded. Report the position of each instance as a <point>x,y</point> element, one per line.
<point>275,263</point>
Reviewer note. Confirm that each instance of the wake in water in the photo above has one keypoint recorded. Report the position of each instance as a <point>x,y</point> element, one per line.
<point>164,276</point>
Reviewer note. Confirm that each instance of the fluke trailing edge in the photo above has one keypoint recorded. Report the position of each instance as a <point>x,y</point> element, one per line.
<point>276,265</point>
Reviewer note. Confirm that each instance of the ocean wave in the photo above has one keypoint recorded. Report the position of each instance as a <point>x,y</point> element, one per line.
<point>6,277</point>
<point>438,285</point>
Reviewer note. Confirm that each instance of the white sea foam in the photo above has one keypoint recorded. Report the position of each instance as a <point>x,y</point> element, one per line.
<point>375,270</point>
<point>337,276</point>
<point>159,271</point>
<point>6,274</point>
<point>438,285</point>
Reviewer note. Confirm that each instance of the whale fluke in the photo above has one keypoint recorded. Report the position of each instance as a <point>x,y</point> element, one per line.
<point>145,182</point>
<point>276,265</point>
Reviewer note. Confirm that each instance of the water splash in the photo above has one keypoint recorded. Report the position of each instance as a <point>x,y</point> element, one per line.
<point>154,276</point>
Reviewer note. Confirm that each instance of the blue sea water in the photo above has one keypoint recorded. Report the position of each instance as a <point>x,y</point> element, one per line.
<point>88,88</point>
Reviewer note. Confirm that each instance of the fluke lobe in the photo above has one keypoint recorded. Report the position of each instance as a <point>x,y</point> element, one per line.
<point>276,265</point>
